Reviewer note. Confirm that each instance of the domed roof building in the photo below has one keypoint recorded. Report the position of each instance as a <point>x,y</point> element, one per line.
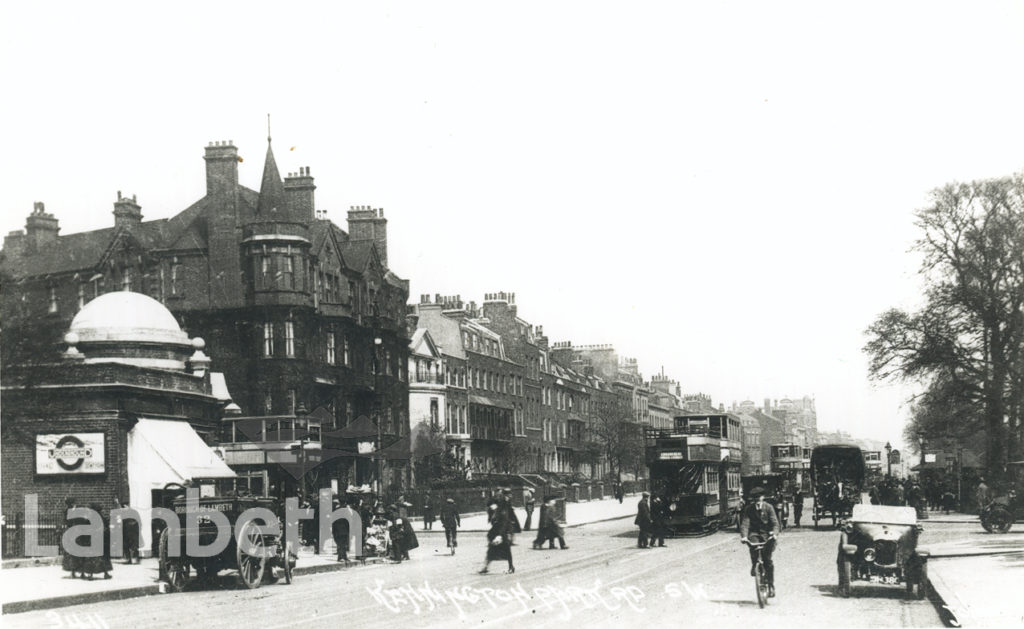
<point>131,407</point>
<point>131,329</point>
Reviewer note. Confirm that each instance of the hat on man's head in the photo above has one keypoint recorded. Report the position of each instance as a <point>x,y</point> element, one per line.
<point>646,493</point>
<point>756,491</point>
<point>492,505</point>
<point>450,500</point>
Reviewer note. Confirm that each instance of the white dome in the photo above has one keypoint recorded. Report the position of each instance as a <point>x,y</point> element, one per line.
<point>127,317</point>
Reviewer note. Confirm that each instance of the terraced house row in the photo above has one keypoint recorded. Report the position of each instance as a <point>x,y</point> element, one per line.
<point>322,369</point>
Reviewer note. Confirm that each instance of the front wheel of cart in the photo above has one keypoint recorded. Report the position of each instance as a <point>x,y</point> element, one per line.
<point>250,553</point>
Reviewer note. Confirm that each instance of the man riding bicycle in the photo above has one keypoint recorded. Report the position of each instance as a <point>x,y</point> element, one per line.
<point>758,524</point>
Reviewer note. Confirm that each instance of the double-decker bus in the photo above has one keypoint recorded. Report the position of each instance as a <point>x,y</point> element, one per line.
<point>793,462</point>
<point>694,469</point>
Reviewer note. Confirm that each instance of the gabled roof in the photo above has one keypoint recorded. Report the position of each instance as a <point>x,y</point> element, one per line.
<point>358,254</point>
<point>422,343</point>
<point>81,251</point>
<point>326,235</point>
<point>445,332</point>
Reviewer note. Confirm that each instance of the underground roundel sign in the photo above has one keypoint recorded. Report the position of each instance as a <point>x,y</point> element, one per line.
<point>70,453</point>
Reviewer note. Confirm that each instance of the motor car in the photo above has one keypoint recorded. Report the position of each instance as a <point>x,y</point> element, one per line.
<point>878,545</point>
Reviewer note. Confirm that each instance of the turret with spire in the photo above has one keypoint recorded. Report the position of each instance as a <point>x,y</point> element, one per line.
<point>276,241</point>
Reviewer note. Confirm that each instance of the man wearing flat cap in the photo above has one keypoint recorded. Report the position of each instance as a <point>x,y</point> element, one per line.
<point>759,524</point>
<point>643,520</point>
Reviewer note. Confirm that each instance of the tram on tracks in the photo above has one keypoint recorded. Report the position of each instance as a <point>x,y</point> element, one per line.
<point>793,462</point>
<point>694,469</point>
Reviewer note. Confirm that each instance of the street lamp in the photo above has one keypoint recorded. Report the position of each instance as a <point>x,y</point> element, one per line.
<point>922,513</point>
<point>377,342</point>
<point>299,413</point>
<point>888,458</point>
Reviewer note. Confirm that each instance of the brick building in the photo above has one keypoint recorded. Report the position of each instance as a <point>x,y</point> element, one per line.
<point>128,408</point>
<point>299,314</point>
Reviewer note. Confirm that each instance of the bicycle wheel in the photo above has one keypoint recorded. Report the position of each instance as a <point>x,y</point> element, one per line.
<point>761,585</point>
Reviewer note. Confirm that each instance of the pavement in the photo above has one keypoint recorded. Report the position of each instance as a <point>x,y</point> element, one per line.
<point>32,584</point>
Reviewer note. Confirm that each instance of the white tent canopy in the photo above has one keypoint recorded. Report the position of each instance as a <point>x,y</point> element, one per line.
<point>166,451</point>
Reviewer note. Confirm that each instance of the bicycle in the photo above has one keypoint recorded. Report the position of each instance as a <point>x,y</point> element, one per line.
<point>760,580</point>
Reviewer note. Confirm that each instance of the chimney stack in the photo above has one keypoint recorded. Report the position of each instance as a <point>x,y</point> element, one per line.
<point>299,188</point>
<point>41,228</point>
<point>221,168</point>
<point>367,223</point>
<point>127,213</point>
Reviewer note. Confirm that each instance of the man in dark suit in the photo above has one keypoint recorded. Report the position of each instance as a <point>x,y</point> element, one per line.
<point>451,521</point>
<point>758,524</point>
<point>643,520</point>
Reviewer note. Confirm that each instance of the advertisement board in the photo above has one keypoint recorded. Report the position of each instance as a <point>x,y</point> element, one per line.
<point>70,453</point>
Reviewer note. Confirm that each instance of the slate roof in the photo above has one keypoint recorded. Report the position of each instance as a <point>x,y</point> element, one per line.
<point>446,333</point>
<point>357,253</point>
<point>85,250</point>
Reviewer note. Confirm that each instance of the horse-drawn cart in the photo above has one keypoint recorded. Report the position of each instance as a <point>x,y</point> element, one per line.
<point>261,557</point>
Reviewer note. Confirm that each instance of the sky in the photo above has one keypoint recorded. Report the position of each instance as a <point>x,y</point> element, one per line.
<point>721,190</point>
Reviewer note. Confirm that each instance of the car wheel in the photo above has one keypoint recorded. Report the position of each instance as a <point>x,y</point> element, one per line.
<point>845,576</point>
<point>1000,520</point>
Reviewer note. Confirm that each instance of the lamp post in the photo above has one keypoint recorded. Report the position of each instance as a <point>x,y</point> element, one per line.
<point>299,413</point>
<point>888,458</point>
<point>922,512</point>
<point>377,342</point>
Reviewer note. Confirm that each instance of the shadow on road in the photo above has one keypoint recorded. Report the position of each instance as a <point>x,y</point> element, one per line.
<point>866,591</point>
<point>740,603</point>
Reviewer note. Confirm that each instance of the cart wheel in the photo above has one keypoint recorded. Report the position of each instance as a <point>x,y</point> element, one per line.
<point>177,573</point>
<point>250,566</point>
<point>289,563</point>
<point>845,576</point>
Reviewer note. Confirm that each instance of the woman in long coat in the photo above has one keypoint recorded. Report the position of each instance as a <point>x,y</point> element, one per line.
<point>92,565</point>
<point>70,562</point>
<point>499,547</point>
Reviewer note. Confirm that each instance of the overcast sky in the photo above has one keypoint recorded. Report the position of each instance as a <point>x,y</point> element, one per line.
<point>724,190</point>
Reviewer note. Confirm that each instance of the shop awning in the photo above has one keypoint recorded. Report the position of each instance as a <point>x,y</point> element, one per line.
<point>363,427</point>
<point>398,450</point>
<point>169,451</point>
<point>483,400</point>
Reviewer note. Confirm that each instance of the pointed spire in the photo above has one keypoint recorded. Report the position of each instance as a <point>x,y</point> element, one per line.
<point>273,203</point>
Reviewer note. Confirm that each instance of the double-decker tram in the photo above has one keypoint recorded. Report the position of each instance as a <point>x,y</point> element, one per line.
<point>695,471</point>
<point>794,463</point>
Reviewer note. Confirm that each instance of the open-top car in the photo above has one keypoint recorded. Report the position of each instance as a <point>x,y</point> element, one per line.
<point>878,544</point>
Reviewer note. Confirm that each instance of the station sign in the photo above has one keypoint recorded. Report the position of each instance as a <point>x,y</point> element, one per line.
<point>70,453</point>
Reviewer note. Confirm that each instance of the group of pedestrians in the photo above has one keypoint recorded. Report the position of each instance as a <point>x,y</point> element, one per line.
<point>86,565</point>
<point>650,517</point>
